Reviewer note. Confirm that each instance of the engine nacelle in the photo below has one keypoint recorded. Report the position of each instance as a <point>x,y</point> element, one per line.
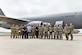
<point>37,23</point>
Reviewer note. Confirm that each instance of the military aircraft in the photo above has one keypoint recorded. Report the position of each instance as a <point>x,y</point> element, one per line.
<point>72,17</point>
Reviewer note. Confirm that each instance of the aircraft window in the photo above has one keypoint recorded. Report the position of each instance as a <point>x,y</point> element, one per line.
<point>62,16</point>
<point>70,16</point>
<point>76,13</point>
<point>67,16</point>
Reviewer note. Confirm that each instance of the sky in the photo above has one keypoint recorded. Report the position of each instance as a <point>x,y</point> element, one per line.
<point>31,8</point>
<point>28,8</point>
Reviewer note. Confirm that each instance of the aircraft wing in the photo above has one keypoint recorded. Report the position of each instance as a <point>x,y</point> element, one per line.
<point>6,22</point>
<point>13,20</point>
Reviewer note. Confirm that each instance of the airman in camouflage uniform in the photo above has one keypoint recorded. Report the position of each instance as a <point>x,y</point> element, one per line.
<point>50,32</point>
<point>20,30</point>
<point>71,28</point>
<point>41,29</point>
<point>45,31</point>
<point>17,31</point>
<point>60,31</point>
<point>66,31</point>
<point>33,32</point>
<point>55,31</point>
<point>13,31</point>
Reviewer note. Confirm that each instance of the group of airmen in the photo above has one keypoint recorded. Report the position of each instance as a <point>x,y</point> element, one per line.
<point>44,31</point>
<point>19,31</point>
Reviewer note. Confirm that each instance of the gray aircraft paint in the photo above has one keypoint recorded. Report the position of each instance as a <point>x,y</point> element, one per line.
<point>75,18</point>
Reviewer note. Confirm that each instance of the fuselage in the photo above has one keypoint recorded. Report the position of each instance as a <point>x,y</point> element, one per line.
<point>74,18</point>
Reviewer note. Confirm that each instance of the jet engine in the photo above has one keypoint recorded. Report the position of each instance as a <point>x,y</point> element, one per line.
<point>37,23</point>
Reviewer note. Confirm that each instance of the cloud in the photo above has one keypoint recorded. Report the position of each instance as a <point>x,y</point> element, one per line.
<point>21,8</point>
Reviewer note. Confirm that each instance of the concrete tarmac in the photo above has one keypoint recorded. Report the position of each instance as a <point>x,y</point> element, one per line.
<point>40,46</point>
